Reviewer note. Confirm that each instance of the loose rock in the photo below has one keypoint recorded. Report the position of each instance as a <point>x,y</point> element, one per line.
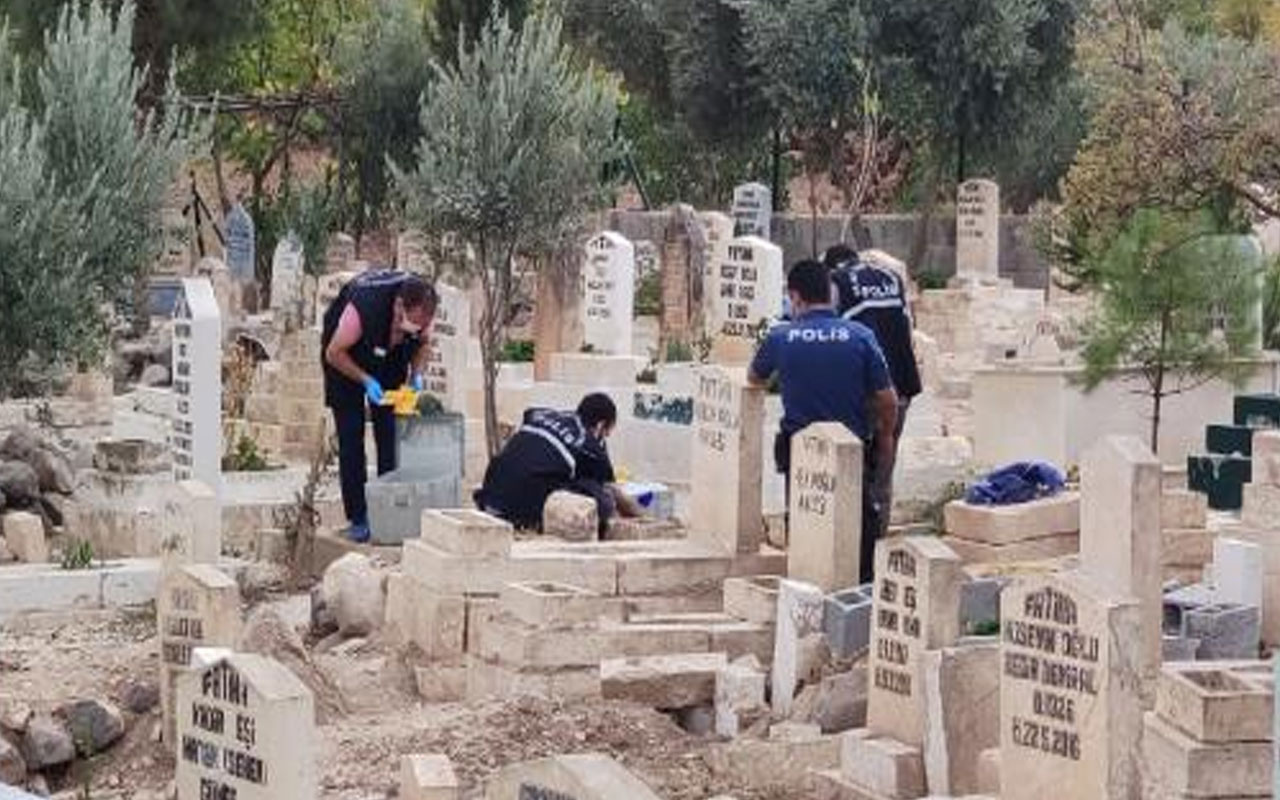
<point>154,375</point>
<point>139,697</point>
<point>19,484</point>
<point>353,590</point>
<point>95,725</point>
<point>13,767</point>
<point>571,516</point>
<point>47,743</point>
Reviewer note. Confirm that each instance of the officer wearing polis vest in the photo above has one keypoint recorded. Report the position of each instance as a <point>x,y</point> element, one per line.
<point>830,370</point>
<point>373,339</point>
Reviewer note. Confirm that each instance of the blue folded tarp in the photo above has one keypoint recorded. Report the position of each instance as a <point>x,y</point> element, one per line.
<point>1017,483</point>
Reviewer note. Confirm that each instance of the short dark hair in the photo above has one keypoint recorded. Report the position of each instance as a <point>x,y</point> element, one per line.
<point>839,255</point>
<point>597,407</point>
<point>416,293</point>
<point>811,280</point>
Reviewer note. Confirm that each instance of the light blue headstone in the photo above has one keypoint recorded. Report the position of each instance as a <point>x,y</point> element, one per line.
<point>241,243</point>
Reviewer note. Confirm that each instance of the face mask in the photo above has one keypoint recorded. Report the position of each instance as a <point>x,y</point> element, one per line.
<point>410,329</point>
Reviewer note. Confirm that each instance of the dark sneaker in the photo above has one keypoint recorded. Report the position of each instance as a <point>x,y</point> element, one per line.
<point>358,532</point>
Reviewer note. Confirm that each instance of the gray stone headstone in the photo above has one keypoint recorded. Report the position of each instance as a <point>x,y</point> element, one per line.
<point>753,210</point>
<point>241,243</point>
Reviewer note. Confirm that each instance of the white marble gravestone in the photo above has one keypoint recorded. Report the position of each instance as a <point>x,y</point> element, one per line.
<point>608,291</point>
<point>824,532</point>
<point>198,605</point>
<point>727,462</point>
<point>241,247</point>
<point>450,334</point>
<point>748,286</point>
<point>753,210</point>
<point>197,384</point>
<point>1070,705</point>
<point>978,232</point>
<point>246,730</point>
<point>717,231</point>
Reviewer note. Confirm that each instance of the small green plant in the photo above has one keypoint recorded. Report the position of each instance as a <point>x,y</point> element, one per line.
<point>648,375</point>
<point>517,351</point>
<point>679,352</point>
<point>702,348</point>
<point>78,556</point>
<point>931,279</point>
<point>648,299</point>
<point>587,347</point>
<point>429,405</point>
<point>984,627</point>
<point>245,457</point>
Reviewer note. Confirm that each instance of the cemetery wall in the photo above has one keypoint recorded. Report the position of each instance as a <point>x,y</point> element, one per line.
<point>1040,413</point>
<point>893,233</point>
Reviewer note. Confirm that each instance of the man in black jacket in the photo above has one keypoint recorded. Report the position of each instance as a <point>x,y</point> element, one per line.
<point>374,338</point>
<point>874,295</point>
<point>555,451</point>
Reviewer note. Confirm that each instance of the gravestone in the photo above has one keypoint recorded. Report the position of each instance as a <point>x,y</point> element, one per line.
<point>192,525</point>
<point>411,252</point>
<point>340,255</point>
<point>749,281</point>
<point>1121,536</point>
<point>197,384</point>
<point>798,614</point>
<point>648,260</point>
<point>328,287</point>
<point>717,232</point>
<point>825,527</point>
<point>286,282</point>
<point>198,605</point>
<point>450,335</point>
<point>753,210</point>
<point>916,607</point>
<point>727,462</point>
<point>608,290</point>
<point>1070,705</point>
<point>241,244</point>
<point>246,730</point>
<point>978,232</point>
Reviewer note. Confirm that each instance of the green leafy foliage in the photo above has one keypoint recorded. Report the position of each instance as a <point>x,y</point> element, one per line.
<point>1271,307</point>
<point>517,351</point>
<point>460,23</point>
<point>78,555</point>
<point>514,141</point>
<point>85,178</point>
<point>245,457</point>
<point>1177,310</point>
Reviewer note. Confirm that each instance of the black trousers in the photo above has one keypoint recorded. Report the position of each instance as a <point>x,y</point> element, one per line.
<point>873,516</point>
<point>353,470</point>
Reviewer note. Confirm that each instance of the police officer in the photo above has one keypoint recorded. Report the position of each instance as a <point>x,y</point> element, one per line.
<point>830,370</point>
<point>555,451</point>
<point>874,295</point>
<point>373,339</point>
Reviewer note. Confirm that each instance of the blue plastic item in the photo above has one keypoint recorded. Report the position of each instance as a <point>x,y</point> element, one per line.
<point>1017,483</point>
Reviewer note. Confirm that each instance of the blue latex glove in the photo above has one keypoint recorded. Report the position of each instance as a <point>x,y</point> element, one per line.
<point>416,383</point>
<point>373,391</point>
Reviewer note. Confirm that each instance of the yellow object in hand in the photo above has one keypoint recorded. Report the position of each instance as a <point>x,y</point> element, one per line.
<point>621,474</point>
<point>404,401</point>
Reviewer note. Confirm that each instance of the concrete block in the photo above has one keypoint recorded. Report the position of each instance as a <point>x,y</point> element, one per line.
<point>739,697</point>
<point>570,516</point>
<point>1225,631</point>
<point>682,570</point>
<point>1266,457</point>
<point>486,681</point>
<point>590,369</point>
<point>427,777</point>
<point>1177,602</point>
<point>962,713</point>
<point>1196,769</point>
<point>1183,508</point>
<point>440,683</point>
<point>415,613</point>
<point>753,598</point>
<point>774,762</point>
<point>454,574</point>
<point>24,533</point>
<point>45,587</point>
<point>662,681</point>
<point>737,639</point>
<point>396,502</point>
<point>1238,568</point>
<point>588,776</point>
<point>1003,525</point>
<point>1046,547</point>
<point>884,766</point>
<point>989,772</point>
<point>846,620</point>
<point>980,601</point>
<point>1260,505</point>
<point>1186,547</point>
<point>1212,704</point>
<point>464,532</point>
<point>1178,648</point>
<point>557,605</point>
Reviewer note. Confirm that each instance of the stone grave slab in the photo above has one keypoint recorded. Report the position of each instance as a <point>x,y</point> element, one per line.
<point>825,529</point>
<point>978,231</point>
<point>584,776</point>
<point>246,729</point>
<point>749,284</point>
<point>450,335</point>
<point>1070,699</point>
<point>800,607</point>
<point>197,605</point>
<point>608,289</point>
<point>286,282</point>
<point>241,250</point>
<point>717,230</point>
<point>916,607</point>
<point>753,210</point>
<point>197,384</point>
<point>728,453</point>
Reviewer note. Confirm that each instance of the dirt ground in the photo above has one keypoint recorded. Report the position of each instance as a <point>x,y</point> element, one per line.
<point>47,661</point>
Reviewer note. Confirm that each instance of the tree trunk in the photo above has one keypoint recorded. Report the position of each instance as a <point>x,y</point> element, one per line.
<point>921,244</point>
<point>1157,385</point>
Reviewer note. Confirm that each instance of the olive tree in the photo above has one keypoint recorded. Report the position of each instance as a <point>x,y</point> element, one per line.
<point>514,141</point>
